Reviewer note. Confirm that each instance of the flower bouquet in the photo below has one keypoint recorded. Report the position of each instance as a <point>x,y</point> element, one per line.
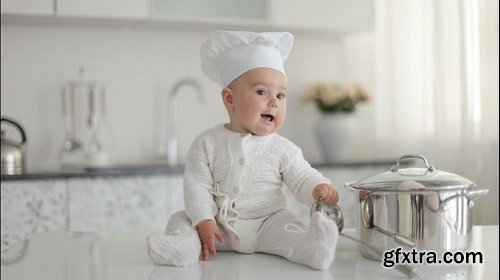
<point>332,98</point>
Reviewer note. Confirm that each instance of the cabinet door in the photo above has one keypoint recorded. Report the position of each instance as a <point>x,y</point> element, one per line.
<point>335,15</point>
<point>124,203</point>
<point>212,9</point>
<point>30,207</point>
<point>104,8</point>
<point>28,7</point>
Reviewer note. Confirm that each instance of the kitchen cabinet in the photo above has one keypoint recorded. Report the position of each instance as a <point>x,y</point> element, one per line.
<point>123,203</point>
<point>326,15</point>
<point>112,9</point>
<point>337,15</point>
<point>28,7</point>
<point>29,207</point>
<point>330,16</point>
<point>209,10</point>
<point>87,204</point>
<point>137,9</point>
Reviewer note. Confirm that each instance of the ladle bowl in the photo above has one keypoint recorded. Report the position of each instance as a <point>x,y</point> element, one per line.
<point>332,212</point>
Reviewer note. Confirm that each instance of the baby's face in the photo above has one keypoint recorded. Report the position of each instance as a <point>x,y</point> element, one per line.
<point>258,101</point>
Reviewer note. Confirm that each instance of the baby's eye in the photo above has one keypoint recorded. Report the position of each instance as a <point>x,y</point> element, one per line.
<point>281,96</point>
<point>261,92</point>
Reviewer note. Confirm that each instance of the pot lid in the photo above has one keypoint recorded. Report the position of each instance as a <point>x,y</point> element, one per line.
<point>411,179</point>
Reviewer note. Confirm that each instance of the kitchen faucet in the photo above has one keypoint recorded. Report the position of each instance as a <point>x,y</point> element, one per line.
<point>172,152</point>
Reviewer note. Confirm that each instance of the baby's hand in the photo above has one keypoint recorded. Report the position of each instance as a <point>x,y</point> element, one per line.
<point>208,231</point>
<point>326,193</point>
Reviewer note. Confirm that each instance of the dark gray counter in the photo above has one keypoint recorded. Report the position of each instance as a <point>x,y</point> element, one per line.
<point>118,170</point>
<point>154,169</point>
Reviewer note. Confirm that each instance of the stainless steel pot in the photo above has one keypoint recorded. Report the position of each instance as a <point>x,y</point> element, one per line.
<point>13,153</point>
<point>414,207</point>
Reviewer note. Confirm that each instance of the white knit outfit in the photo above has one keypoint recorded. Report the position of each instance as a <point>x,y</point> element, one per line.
<point>238,179</point>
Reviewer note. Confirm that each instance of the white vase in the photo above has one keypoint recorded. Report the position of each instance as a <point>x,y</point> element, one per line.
<point>335,135</point>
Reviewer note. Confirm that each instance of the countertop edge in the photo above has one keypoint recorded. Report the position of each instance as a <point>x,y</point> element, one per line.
<point>156,169</point>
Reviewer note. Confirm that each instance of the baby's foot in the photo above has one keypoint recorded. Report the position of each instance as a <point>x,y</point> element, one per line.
<point>176,249</point>
<point>316,246</point>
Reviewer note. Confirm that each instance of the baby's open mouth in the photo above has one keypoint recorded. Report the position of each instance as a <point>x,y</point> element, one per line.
<point>267,117</point>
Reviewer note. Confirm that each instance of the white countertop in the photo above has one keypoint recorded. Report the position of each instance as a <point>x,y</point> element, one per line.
<point>122,256</point>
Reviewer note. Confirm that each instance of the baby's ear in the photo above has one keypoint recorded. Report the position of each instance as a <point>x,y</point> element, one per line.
<point>227,98</point>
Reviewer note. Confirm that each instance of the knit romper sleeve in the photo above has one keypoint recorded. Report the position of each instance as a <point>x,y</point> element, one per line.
<point>298,175</point>
<point>198,184</point>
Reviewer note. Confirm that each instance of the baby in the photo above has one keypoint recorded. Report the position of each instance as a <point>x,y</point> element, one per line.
<point>235,172</point>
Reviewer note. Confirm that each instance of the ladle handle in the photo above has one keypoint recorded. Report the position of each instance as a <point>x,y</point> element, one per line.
<point>408,271</point>
<point>367,216</point>
<point>399,238</point>
<point>335,213</point>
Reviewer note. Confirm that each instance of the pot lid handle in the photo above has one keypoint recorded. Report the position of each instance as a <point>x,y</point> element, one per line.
<point>395,168</point>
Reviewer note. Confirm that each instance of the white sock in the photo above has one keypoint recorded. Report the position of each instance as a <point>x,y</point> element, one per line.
<point>178,248</point>
<point>316,246</point>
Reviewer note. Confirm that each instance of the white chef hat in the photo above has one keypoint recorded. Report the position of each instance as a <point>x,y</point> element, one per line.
<point>228,54</point>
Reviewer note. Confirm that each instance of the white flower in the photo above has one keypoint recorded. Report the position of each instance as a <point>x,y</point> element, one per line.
<point>332,98</point>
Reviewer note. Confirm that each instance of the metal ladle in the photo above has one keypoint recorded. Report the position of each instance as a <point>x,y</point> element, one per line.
<point>334,213</point>
<point>367,217</point>
<point>71,143</point>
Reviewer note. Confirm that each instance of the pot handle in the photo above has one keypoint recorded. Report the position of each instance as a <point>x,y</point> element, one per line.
<point>18,126</point>
<point>473,195</point>
<point>470,195</point>
<point>349,185</point>
<point>395,168</point>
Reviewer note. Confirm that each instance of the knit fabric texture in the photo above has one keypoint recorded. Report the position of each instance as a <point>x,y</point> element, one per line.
<point>219,174</point>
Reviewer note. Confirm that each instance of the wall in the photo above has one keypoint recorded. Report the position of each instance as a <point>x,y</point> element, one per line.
<point>138,67</point>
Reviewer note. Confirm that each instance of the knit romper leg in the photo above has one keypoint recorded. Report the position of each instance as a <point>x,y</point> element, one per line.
<point>179,246</point>
<point>284,235</point>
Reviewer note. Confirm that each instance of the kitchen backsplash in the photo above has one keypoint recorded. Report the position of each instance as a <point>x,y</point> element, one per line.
<point>138,67</point>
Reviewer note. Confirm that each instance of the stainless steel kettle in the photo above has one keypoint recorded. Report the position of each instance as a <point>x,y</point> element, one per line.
<point>13,153</point>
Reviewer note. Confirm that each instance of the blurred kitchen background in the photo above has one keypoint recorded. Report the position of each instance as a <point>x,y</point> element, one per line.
<point>431,68</point>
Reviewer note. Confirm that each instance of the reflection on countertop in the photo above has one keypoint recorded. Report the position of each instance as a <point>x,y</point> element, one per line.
<point>122,255</point>
<point>131,169</point>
